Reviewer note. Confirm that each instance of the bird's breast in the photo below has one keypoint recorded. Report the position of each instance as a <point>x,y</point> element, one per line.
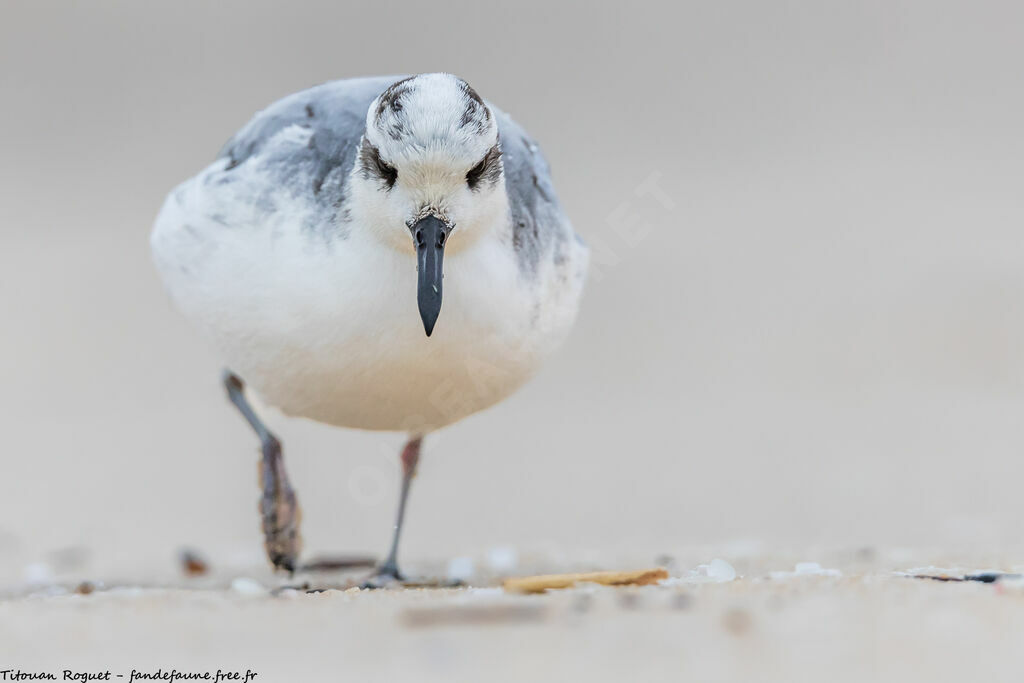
<point>334,334</point>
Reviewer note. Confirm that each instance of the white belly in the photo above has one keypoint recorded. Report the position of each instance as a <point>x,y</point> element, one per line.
<point>333,334</point>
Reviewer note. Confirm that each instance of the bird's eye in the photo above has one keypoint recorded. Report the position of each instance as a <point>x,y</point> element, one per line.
<point>488,168</point>
<point>372,166</point>
<point>473,176</point>
<point>386,171</point>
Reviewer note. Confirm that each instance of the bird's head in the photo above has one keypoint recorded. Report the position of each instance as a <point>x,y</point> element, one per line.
<point>429,176</point>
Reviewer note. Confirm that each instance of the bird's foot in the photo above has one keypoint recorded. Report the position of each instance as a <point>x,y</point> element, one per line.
<point>280,511</point>
<point>388,575</point>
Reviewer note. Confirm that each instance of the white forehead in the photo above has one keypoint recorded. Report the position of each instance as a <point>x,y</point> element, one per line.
<point>429,115</point>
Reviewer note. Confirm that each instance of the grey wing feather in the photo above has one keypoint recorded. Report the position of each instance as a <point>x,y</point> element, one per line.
<point>335,114</point>
<point>538,224</point>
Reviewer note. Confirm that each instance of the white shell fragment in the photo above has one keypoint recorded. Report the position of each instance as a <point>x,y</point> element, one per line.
<point>716,571</point>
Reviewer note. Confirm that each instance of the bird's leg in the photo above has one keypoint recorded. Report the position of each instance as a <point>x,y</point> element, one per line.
<point>388,571</point>
<point>278,507</point>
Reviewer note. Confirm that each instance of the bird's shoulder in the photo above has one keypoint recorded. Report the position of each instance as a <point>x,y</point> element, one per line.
<point>336,110</point>
<point>540,228</point>
<point>332,118</point>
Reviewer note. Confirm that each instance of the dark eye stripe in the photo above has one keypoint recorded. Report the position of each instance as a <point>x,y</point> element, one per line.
<point>372,166</point>
<point>488,170</point>
<point>388,173</point>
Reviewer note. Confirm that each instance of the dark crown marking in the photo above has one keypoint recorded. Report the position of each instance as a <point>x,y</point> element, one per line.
<point>476,111</point>
<point>475,114</point>
<point>391,100</point>
<point>392,97</point>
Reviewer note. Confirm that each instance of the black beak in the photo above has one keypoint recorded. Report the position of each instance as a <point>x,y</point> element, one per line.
<point>430,234</point>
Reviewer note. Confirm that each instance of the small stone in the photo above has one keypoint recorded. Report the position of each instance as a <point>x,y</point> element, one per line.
<point>192,563</point>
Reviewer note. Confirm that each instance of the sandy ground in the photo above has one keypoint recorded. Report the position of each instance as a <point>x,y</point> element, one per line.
<point>854,617</point>
<point>816,342</point>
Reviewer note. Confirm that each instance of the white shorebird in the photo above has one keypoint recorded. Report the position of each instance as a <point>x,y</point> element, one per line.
<point>298,253</point>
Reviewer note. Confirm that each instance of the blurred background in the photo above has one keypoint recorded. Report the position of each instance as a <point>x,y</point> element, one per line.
<point>809,333</point>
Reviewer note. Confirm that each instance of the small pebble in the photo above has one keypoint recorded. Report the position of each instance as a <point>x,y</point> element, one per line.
<point>192,563</point>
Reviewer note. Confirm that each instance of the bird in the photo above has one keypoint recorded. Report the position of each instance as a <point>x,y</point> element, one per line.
<point>380,253</point>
